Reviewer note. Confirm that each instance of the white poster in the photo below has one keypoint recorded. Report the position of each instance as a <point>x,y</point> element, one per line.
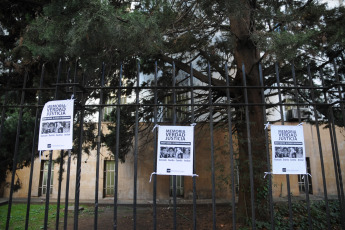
<point>288,150</point>
<point>56,126</point>
<point>175,150</point>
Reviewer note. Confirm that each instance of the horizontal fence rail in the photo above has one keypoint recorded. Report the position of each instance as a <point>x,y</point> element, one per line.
<point>135,103</point>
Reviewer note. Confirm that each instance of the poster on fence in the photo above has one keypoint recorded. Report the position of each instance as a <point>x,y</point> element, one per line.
<point>175,150</point>
<point>288,149</point>
<point>56,126</point>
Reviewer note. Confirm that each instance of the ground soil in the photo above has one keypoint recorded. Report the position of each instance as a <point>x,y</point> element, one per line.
<point>144,220</point>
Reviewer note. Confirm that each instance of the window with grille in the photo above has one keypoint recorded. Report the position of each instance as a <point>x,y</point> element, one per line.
<point>301,179</point>
<point>42,189</point>
<point>179,186</point>
<point>109,178</point>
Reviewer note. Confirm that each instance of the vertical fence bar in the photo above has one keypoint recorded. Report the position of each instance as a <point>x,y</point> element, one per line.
<point>33,150</point>
<point>117,148</point>
<point>341,103</point>
<point>136,148</point>
<point>231,144</point>
<point>194,171</point>
<point>50,164</point>
<point>3,114</point>
<point>306,184</point>
<point>334,150</point>
<point>67,189</point>
<point>155,114</point>
<point>211,109</point>
<point>267,149</point>
<point>335,137</point>
<point>337,167</point>
<point>100,115</point>
<point>321,152</point>
<point>59,191</point>
<point>68,168</point>
<point>48,189</point>
<point>251,174</point>
<point>282,122</point>
<point>61,158</point>
<point>174,123</point>
<point>16,150</point>
<point>330,115</point>
<point>57,81</point>
<point>4,108</point>
<point>79,156</point>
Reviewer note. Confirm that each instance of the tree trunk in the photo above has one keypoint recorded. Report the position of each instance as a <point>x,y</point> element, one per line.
<point>246,53</point>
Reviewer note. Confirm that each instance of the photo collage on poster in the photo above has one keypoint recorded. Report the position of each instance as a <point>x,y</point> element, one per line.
<point>288,152</point>
<point>176,153</point>
<point>56,127</point>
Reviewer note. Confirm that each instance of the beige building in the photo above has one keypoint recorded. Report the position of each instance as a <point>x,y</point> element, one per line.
<point>184,184</point>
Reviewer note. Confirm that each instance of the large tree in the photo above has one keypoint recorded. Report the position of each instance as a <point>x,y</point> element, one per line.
<point>216,32</point>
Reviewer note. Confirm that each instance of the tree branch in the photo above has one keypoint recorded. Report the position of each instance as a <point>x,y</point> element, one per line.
<point>197,74</point>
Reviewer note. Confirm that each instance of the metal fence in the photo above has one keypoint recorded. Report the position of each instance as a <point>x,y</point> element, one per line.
<point>323,98</point>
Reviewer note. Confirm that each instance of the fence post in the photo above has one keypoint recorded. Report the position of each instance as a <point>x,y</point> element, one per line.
<point>79,156</point>
<point>267,149</point>
<point>251,174</point>
<point>16,150</point>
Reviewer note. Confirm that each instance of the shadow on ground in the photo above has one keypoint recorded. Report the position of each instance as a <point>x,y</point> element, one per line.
<point>144,217</point>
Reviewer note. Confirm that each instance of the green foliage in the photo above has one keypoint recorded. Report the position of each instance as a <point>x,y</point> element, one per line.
<point>7,148</point>
<point>126,132</point>
<point>36,220</point>
<point>93,31</point>
<point>300,215</point>
<point>37,212</point>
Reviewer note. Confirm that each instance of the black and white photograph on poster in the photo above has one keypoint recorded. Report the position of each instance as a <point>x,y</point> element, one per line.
<point>288,152</point>
<point>288,149</point>
<point>177,152</point>
<point>56,129</point>
<point>175,149</point>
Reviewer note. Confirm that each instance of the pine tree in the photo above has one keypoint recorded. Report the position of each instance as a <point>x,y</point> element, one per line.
<point>236,32</point>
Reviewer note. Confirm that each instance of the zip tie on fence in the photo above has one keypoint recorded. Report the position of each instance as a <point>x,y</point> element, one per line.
<point>155,127</point>
<point>266,125</point>
<point>300,124</point>
<point>195,175</point>
<point>72,97</point>
<point>151,176</point>
<point>193,124</point>
<point>266,173</point>
<point>306,174</point>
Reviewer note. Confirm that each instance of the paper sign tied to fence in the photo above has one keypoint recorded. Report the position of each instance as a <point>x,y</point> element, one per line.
<point>175,150</point>
<point>56,126</point>
<point>288,149</point>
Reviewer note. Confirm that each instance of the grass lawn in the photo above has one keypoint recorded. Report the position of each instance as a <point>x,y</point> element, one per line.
<point>36,219</point>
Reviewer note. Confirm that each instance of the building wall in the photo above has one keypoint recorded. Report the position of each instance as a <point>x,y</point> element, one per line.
<point>202,167</point>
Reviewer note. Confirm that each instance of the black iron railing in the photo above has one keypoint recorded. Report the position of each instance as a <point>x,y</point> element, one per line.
<point>200,109</point>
